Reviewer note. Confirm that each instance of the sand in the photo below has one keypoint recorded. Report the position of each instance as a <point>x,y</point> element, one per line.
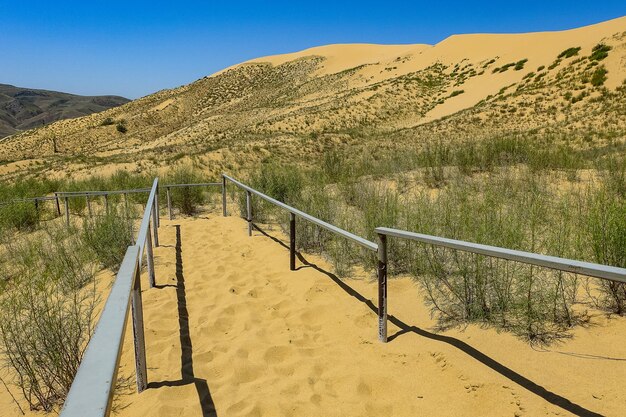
<point>260,340</point>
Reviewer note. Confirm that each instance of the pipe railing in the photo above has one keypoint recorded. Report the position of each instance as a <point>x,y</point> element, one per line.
<point>606,272</point>
<point>293,213</point>
<point>92,390</point>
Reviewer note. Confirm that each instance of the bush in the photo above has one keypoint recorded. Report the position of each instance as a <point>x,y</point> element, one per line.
<point>47,314</point>
<point>121,127</point>
<point>107,122</point>
<point>599,76</point>
<point>19,216</point>
<point>519,65</point>
<point>569,52</point>
<point>599,52</point>
<point>186,199</point>
<point>607,230</point>
<point>108,236</point>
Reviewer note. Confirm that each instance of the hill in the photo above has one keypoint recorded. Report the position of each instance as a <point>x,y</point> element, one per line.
<point>550,86</point>
<point>26,108</point>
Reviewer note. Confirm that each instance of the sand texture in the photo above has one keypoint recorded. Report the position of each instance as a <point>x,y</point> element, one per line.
<point>230,331</point>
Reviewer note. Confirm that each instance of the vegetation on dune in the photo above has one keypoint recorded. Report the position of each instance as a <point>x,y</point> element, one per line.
<point>498,193</point>
<point>48,295</point>
<point>569,52</point>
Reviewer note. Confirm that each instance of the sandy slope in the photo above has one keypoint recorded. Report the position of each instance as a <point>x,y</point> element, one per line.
<point>259,340</point>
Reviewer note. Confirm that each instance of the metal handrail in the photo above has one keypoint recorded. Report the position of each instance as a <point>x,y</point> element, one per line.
<point>332,228</point>
<point>98,193</point>
<point>607,272</point>
<point>612,273</point>
<point>200,184</point>
<point>92,390</point>
<point>91,393</point>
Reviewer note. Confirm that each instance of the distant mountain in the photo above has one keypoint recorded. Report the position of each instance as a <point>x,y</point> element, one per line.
<point>27,108</point>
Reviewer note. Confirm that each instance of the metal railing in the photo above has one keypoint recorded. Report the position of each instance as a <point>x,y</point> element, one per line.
<point>293,213</point>
<point>92,391</point>
<point>611,273</point>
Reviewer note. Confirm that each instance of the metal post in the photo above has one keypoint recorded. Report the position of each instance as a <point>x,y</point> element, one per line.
<point>155,223</point>
<point>67,211</point>
<point>89,205</point>
<point>37,206</point>
<point>382,288</point>
<point>56,197</point>
<point>249,207</point>
<point>126,203</point>
<point>140,342</point>
<point>150,256</point>
<point>224,195</point>
<point>157,209</point>
<point>292,241</point>
<point>169,203</point>
<point>106,203</point>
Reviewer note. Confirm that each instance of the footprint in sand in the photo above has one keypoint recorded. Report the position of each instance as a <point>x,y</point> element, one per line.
<point>363,389</point>
<point>276,354</point>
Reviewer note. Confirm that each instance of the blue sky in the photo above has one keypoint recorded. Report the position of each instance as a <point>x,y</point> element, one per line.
<point>134,48</point>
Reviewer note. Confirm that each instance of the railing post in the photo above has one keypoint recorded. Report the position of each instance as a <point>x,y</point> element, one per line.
<point>155,223</point>
<point>249,207</point>
<point>169,203</point>
<point>56,197</point>
<point>106,203</point>
<point>157,209</point>
<point>292,241</point>
<point>88,205</point>
<point>37,206</point>
<point>126,203</point>
<point>224,195</point>
<point>382,288</point>
<point>67,211</point>
<point>150,256</point>
<point>138,333</point>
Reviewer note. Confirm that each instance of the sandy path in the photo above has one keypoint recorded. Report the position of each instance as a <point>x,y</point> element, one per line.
<point>259,340</point>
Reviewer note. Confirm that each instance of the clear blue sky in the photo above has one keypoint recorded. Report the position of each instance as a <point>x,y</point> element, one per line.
<point>133,48</point>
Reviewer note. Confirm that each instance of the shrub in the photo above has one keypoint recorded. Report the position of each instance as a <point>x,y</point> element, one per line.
<point>456,93</point>
<point>569,52</point>
<point>20,216</point>
<point>108,236</point>
<point>599,52</point>
<point>598,77</point>
<point>47,314</point>
<point>107,122</point>
<point>121,127</point>
<point>186,199</point>
<point>607,230</point>
<point>519,65</point>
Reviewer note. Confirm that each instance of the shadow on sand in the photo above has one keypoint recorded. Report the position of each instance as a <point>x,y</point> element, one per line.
<point>405,328</point>
<point>186,357</point>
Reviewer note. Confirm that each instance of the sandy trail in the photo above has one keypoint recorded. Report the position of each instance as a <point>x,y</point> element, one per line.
<point>230,331</point>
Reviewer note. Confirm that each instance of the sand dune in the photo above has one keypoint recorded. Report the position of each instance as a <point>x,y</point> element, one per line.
<point>231,331</point>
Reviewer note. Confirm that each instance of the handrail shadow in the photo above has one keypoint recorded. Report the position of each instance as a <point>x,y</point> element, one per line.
<point>405,328</point>
<point>186,357</point>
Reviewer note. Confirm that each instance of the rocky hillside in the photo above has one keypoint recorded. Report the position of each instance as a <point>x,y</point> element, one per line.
<point>26,108</point>
<point>551,86</point>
